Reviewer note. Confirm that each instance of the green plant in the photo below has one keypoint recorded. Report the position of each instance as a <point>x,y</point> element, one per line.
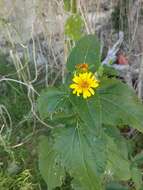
<point>21,181</point>
<point>12,95</point>
<point>85,139</point>
<point>70,5</point>
<point>74,26</point>
<point>17,137</point>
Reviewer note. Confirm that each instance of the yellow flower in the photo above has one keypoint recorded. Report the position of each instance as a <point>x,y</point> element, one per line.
<point>84,83</point>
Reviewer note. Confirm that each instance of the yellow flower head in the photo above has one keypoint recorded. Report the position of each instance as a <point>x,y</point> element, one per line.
<point>84,83</point>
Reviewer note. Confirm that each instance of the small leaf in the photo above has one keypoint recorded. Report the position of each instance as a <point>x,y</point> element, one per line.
<point>51,170</point>
<point>74,26</point>
<point>86,50</point>
<point>67,5</point>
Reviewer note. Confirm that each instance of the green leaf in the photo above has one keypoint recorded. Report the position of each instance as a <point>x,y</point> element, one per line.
<point>62,118</point>
<point>114,103</point>
<point>118,139</point>
<point>67,5</point>
<point>110,71</point>
<point>51,170</point>
<point>136,177</point>
<point>118,164</point>
<point>51,100</point>
<point>117,152</point>
<point>119,104</point>
<point>138,159</point>
<point>82,154</point>
<point>86,50</point>
<point>116,186</point>
<point>74,26</point>
<point>88,112</point>
<point>141,187</point>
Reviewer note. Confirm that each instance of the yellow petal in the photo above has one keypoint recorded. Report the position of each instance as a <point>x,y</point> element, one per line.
<point>82,76</point>
<point>86,94</point>
<point>76,79</point>
<point>78,93</point>
<point>89,75</point>
<point>92,91</point>
<point>79,90</point>
<point>94,85</point>
<point>93,77</point>
<point>89,94</point>
<point>74,91</point>
<point>73,86</point>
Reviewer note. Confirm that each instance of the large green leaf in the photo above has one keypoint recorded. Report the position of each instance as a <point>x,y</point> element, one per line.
<point>51,100</point>
<point>113,104</point>
<point>87,50</point>
<point>119,104</point>
<point>51,170</point>
<point>82,154</point>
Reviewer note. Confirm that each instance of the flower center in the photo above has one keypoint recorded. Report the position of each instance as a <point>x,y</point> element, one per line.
<point>84,84</point>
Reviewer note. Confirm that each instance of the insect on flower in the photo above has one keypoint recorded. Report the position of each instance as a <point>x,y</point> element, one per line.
<point>85,84</point>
